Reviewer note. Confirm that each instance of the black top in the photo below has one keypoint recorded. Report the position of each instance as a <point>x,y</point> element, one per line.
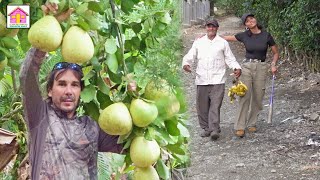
<point>256,44</point>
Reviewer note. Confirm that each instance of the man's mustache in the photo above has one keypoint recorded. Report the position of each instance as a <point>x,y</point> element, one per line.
<point>68,98</point>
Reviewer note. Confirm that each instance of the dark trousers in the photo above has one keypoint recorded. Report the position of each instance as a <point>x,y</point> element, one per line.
<point>209,101</point>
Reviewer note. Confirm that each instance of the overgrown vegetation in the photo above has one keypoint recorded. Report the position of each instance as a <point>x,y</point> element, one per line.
<point>295,25</point>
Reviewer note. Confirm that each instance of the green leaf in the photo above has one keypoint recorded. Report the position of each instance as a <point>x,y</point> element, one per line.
<point>4,87</point>
<point>6,52</point>
<point>88,94</point>
<point>95,6</point>
<point>163,170</point>
<point>104,170</point>
<point>127,55</point>
<point>15,63</point>
<point>183,130</point>
<point>92,110</point>
<point>172,127</point>
<point>110,46</point>
<point>112,63</point>
<point>54,1</point>
<point>166,18</point>
<point>126,137</point>
<point>128,169</point>
<point>82,8</point>
<point>82,24</point>
<point>95,63</point>
<point>136,27</point>
<point>129,34</point>
<point>115,77</point>
<point>164,135</point>
<point>9,42</point>
<point>10,125</point>
<point>23,38</point>
<point>17,2</point>
<point>147,25</point>
<point>127,144</point>
<point>150,133</point>
<point>158,29</point>
<point>9,79</point>
<point>103,99</point>
<point>93,22</point>
<point>135,41</point>
<point>1,76</point>
<point>182,160</point>
<point>161,141</point>
<point>63,5</point>
<point>102,86</point>
<point>2,56</point>
<point>176,148</point>
<point>159,122</point>
<point>89,74</point>
<point>127,6</point>
<point>182,100</point>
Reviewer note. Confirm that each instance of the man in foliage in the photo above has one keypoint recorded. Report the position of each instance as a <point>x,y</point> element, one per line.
<point>61,144</point>
<point>213,54</point>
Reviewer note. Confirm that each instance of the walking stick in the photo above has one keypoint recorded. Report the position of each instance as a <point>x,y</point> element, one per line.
<point>271,102</point>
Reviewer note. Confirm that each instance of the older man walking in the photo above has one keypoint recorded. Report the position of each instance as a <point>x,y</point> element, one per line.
<point>213,54</point>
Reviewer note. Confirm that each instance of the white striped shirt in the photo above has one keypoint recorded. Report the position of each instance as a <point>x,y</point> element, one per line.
<point>213,56</point>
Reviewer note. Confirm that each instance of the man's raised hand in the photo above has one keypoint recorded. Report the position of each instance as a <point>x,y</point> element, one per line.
<point>48,8</point>
<point>187,68</point>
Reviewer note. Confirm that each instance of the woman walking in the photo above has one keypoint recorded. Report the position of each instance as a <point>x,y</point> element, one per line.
<point>254,71</point>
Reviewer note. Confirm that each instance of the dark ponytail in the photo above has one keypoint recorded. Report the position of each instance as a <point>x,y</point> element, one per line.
<point>259,26</point>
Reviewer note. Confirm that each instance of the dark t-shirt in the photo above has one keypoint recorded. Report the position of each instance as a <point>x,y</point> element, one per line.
<point>256,44</point>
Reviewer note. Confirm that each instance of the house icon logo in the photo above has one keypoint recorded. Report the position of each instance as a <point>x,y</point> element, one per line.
<point>18,16</point>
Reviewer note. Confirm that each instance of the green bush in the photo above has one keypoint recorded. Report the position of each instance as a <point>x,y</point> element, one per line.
<point>293,23</point>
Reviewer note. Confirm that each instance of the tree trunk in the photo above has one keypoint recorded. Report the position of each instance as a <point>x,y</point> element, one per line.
<point>211,8</point>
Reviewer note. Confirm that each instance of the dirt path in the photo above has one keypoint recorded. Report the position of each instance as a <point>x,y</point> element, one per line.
<point>277,151</point>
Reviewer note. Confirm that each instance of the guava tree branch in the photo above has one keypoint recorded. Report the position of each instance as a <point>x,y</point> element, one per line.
<point>119,38</point>
<point>13,75</point>
<point>6,116</point>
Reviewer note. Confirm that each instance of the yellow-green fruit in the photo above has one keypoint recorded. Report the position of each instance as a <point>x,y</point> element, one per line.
<point>46,34</point>
<point>12,33</point>
<point>143,113</point>
<point>115,119</point>
<point>3,64</point>
<point>143,152</point>
<point>148,173</point>
<point>77,46</point>
<point>171,106</point>
<point>3,28</point>
<point>157,90</point>
<point>166,101</point>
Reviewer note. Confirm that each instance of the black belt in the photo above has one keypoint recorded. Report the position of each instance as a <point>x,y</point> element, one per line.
<point>253,60</point>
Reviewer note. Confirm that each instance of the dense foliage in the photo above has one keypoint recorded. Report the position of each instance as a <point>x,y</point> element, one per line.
<point>295,24</point>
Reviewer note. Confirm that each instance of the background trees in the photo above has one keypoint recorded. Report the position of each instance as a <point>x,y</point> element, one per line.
<point>135,41</point>
<point>294,24</point>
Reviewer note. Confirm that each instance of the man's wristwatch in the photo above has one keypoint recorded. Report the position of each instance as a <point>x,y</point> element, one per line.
<point>273,64</point>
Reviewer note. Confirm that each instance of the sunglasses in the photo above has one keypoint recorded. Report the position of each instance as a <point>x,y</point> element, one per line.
<point>66,65</point>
